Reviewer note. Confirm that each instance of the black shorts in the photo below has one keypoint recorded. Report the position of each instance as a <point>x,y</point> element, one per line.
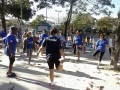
<point>78,48</point>
<point>52,61</point>
<point>12,59</point>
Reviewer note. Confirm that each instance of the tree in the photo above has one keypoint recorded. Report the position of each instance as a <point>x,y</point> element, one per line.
<point>98,6</point>
<point>106,22</point>
<point>14,8</point>
<point>40,19</point>
<point>81,21</point>
<point>116,48</point>
<point>11,22</point>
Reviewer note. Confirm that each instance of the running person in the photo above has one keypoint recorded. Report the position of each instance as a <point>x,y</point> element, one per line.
<point>100,47</point>
<point>53,52</point>
<point>11,45</point>
<point>77,40</point>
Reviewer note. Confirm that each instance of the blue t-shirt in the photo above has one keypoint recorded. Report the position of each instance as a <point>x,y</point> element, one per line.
<point>52,45</point>
<point>101,45</point>
<point>43,36</point>
<point>62,39</point>
<point>3,34</point>
<point>11,39</point>
<point>78,40</point>
<point>30,43</point>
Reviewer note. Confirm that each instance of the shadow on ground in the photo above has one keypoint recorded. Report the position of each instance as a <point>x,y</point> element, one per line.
<point>12,86</point>
<point>41,83</point>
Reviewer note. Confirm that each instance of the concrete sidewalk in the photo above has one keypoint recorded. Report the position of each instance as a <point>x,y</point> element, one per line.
<point>75,76</point>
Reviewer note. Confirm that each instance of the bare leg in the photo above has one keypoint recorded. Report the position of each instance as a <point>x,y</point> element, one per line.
<point>12,59</point>
<point>10,68</point>
<point>30,55</point>
<point>52,75</point>
<point>78,54</point>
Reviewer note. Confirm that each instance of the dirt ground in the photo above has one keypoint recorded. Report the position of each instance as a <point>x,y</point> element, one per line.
<point>82,75</point>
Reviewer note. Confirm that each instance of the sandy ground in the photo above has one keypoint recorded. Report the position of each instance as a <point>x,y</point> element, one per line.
<point>75,76</point>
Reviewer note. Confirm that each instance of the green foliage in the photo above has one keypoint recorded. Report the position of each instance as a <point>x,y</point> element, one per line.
<point>13,7</point>
<point>81,21</point>
<point>106,22</point>
<point>40,19</point>
<point>11,22</point>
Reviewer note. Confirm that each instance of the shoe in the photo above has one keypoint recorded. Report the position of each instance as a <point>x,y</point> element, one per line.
<point>97,66</point>
<point>11,75</point>
<point>52,86</point>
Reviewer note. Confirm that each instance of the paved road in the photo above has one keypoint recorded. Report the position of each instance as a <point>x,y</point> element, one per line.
<point>75,76</point>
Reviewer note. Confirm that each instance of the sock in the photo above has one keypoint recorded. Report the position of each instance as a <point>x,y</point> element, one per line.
<point>52,83</point>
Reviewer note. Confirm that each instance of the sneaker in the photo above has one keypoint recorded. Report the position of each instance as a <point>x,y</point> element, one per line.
<point>52,86</point>
<point>11,75</point>
<point>97,66</point>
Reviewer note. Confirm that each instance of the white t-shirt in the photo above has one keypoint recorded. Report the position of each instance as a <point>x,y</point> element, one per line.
<point>110,42</point>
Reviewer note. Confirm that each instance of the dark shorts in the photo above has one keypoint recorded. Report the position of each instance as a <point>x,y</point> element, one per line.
<point>52,61</point>
<point>79,48</point>
<point>63,46</point>
<point>12,59</point>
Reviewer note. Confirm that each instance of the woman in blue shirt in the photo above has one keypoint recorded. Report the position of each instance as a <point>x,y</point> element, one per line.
<point>30,45</point>
<point>100,47</point>
<point>77,40</point>
<point>43,36</point>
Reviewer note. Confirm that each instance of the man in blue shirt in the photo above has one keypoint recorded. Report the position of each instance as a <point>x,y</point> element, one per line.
<point>77,40</point>
<point>53,52</point>
<point>11,45</point>
<point>101,47</point>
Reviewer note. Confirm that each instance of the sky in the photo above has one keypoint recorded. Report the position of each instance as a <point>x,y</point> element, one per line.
<point>53,15</point>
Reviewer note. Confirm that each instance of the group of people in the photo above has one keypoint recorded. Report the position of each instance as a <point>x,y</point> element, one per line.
<point>51,43</point>
<point>54,44</point>
<point>99,43</point>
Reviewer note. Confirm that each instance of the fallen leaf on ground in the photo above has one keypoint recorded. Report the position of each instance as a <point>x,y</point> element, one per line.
<point>118,78</point>
<point>118,83</point>
<point>17,78</point>
<point>57,76</point>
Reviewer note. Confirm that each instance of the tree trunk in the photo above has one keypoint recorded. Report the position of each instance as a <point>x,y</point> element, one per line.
<point>68,18</point>
<point>2,12</point>
<point>116,49</point>
<point>115,57</point>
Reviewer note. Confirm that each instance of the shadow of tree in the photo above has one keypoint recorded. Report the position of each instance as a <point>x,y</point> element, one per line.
<point>25,70</point>
<point>11,86</point>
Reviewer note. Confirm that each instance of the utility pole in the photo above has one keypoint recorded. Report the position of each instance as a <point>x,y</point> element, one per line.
<point>58,15</point>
